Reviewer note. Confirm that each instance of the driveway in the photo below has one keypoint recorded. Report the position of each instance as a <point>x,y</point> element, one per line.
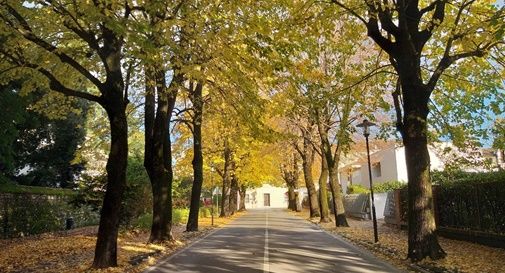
<point>271,240</point>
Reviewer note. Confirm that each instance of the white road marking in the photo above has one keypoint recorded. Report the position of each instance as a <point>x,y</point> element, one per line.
<point>266,264</point>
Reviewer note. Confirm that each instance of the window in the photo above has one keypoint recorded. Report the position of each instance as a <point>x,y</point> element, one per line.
<point>376,169</point>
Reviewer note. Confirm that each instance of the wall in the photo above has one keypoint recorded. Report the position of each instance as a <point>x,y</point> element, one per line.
<point>278,197</point>
<point>388,162</point>
<point>393,168</point>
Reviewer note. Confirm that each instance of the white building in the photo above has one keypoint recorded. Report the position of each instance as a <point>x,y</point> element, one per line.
<point>266,196</point>
<point>387,165</point>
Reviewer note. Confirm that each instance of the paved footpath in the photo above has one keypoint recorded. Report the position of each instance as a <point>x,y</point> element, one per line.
<point>271,240</point>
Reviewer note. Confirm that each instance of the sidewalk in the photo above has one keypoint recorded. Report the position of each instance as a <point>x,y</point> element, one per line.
<point>461,256</point>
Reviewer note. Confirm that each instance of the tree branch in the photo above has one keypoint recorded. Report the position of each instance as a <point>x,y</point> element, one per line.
<point>26,31</point>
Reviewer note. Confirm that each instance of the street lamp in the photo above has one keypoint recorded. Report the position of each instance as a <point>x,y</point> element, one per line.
<point>366,132</point>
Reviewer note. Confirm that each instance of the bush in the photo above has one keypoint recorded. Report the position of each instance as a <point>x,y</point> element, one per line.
<point>389,186</point>
<point>26,214</point>
<point>469,201</point>
<point>144,221</point>
<point>451,179</point>
<point>137,199</point>
<point>205,212</point>
<point>180,216</point>
<point>356,189</point>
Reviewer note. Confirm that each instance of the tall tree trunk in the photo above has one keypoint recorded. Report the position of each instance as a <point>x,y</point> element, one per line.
<point>225,199</point>
<point>332,161</point>
<point>323,192</point>
<point>242,192</point>
<point>423,240</point>
<point>157,158</point>
<point>233,194</point>
<point>290,174</point>
<point>307,155</point>
<point>114,101</point>
<point>338,198</point>
<point>196,190</point>
<point>106,244</point>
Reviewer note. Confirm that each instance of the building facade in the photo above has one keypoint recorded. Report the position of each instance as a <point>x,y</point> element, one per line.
<point>266,196</point>
<point>387,165</point>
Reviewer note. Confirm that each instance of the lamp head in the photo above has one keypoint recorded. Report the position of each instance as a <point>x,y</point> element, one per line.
<point>366,127</point>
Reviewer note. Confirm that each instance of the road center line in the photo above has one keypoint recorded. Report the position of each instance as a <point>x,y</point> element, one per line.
<point>266,264</point>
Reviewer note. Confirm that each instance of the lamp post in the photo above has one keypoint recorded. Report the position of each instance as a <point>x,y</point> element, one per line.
<point>366,132</point>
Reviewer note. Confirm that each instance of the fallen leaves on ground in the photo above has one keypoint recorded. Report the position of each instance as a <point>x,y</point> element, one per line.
<point>462,257</point>
<point>73,252</point>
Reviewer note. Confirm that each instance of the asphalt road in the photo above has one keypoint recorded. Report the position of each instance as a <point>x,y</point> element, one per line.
<point>271,240</point>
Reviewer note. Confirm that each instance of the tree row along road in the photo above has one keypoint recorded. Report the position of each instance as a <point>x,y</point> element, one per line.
<point>271,240</point>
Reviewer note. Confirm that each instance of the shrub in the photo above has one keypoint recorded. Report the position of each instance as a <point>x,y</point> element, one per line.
<point>180,216</point>
<point>26,214</point>
<point>144,221</point>
<point>205,212</point>
<point>356,189</point>
<point>469,201</point>
<point>389,186</point>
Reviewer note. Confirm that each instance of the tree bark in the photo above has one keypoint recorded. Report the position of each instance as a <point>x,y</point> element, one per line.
<point>242,192</point>
<point>106,244</point>
<point>332,161</point>
<point>158,150</point>
<point>225,199</point>
<point>114,101</point>
<point>323,192</point>
<point>338,198</point>
<point>423,240</point>
<point>307,155</point>
<point>196,190</point>
<point>291,198</point>
<point>290,174</point>
<point>233,194</point>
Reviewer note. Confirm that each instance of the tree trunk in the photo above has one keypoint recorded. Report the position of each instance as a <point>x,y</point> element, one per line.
<point>157,157</point>
<point>307,160</point>
<point>114,101</point>
<point>332,161</point>
<point>423,240</point>
<point>323,192</point>
<point>338,198</point>
<point>242,192</point>
<point>106,244</point>
<point>196,190</point>
<point>233,194</point>
<point>225,198</point>
<point>291,198</point>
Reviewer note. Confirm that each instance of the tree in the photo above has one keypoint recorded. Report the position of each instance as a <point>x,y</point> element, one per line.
<point>323,191</point>
<point>422,40</point>
<point>158,39</point>
<point>86,40</point>
<point>46,137</point>
<point>307,154</point>
<point>291,173</point>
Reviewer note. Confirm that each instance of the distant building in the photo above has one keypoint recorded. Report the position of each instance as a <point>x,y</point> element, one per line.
<point>388,164</point>
<point>266,196</point>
